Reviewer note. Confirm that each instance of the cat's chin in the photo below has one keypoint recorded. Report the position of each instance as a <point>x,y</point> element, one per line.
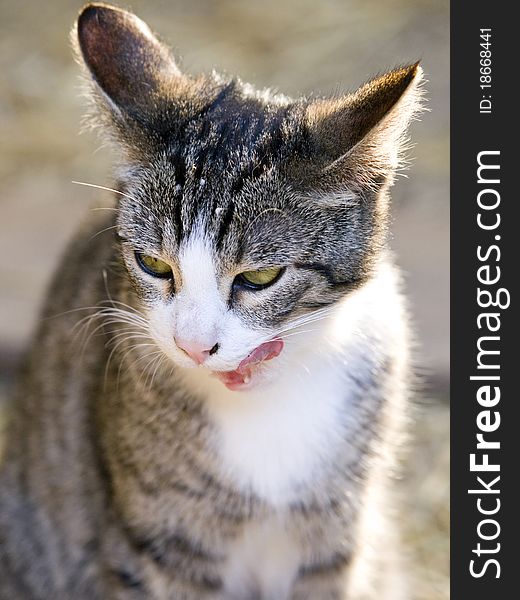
<point>244,376</point>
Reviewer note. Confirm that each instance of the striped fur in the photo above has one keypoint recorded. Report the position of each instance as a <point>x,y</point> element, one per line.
<point>131,473</point>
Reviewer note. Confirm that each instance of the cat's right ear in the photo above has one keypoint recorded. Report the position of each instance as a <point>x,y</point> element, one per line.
<point>133,71</point>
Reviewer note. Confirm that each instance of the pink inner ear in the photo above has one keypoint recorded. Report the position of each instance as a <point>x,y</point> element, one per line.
<point>265,351</point>
<point>125,59</point>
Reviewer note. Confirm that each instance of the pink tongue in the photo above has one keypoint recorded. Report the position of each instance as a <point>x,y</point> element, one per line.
<point>266,351</point>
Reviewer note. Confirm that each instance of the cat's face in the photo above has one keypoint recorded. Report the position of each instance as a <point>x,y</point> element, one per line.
<point>224,276</point>
<point>241,212</point>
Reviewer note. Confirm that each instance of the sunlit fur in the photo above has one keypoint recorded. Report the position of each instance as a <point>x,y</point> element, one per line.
<point>131,471</point>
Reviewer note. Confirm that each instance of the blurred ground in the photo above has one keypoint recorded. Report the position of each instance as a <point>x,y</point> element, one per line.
<point>298,47</point>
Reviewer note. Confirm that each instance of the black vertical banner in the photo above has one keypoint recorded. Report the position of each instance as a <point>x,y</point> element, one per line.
<point>485,268</point>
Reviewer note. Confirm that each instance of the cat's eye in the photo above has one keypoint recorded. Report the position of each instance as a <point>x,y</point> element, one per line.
<point>153,266</point>
<point>259,279</point>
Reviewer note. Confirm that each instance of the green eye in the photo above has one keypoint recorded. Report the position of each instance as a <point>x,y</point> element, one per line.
<point>153,266</point>
<point>259,279</point>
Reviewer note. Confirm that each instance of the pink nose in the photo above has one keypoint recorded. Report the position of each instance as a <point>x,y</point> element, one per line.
<point>197,352</point>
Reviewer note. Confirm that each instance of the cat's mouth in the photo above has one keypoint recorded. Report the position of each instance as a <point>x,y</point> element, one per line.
<point>241,377</point>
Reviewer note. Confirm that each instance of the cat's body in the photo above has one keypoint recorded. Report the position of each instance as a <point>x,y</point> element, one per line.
<point>131,473</point>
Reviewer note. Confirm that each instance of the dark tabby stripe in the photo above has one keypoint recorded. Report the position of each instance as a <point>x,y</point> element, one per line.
<point>159,549</point>
<point>15,581</point>
<point>128,580</point>
<point>327,273</point>
<point>179,166</point>
<point>176,551</point>
<point>155,488</point>
<point>336,563</point>
<point>227,90</point>
<point>316,305</point>
<point>224,224</point>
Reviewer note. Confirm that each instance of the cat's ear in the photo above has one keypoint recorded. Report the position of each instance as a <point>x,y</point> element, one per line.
<point>131,68</point>
<point>356,139</point>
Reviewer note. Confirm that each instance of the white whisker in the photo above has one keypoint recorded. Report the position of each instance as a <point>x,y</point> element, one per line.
<point>159,361</point>
<point>288,335</point>
<point>102,187</point>
<point>307,319</point>
<point>102,231</point>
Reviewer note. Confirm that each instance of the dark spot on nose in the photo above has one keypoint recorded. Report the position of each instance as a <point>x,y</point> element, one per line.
<point>213,350</point>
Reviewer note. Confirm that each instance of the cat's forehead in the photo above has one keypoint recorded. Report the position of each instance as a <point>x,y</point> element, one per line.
<point>235,136</point>
<point>224,170</point>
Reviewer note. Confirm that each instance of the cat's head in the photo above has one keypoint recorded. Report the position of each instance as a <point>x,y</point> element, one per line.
<point>241,212</point>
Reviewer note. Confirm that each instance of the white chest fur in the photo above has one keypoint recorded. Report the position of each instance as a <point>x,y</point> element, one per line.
<point>276,442</point>
<point>263,562</point>
<point>279,439</point>
<point>276,439</point>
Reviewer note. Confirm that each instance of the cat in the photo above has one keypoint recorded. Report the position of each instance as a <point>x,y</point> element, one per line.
<point>212,403</point>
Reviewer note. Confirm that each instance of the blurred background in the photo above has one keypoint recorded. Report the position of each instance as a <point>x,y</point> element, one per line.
<point>297,47</point>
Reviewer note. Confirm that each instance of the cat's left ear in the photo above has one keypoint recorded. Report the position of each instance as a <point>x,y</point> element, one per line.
<point>356,140</point>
